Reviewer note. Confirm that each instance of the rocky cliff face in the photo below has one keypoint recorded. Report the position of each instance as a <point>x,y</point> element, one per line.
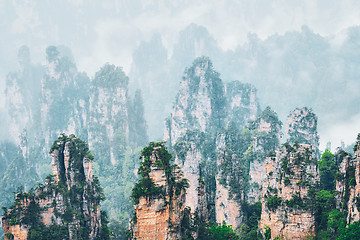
<point>239,159</point>
<point>64,97</point>
<point>56,98</point>
<point>301,126</point>
<point>22,94</point>
<point>200,103</point>
<point>189,156</point>
<point>346,168</point>
<point>203,107</point>
<point>286,207</point>
<point>204,104</point>
<point>200,107</point>
<point>159,196</point>
<point>242,103</point>
<point>108,123</point>
<point>348,184</point>
<point>67,206</point>
<point>230,192</point>
<point>290,176</point>
<point>266,131</point>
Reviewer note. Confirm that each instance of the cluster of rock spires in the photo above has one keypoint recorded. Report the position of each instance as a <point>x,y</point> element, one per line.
<point>62,99</point>
<point>228,150</point>
<point>230,153</point>
<point>43,101</point>
<point>67,206</point>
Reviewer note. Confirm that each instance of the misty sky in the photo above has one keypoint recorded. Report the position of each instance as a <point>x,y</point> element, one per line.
<point>108,31</point>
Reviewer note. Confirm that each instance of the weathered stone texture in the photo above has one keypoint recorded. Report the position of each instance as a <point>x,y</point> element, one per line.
<point>52,202</point>
<point>289,222</point>
<point>158,218</point>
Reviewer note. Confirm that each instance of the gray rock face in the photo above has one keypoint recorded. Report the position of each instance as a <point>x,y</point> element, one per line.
<point>22,95</point>
<point>56,98</point>
<point>45,101</point>
<point>200,103</point>
<point>242,103</point>
<point>290,174</point>
<point>266,138</point>
<point>230,172</point>
<point>203,108</point>
<point>109,114</point>
<point>69,200</point>
<point>220,136</point>
<point>301,126</point>
<point>352,170</point>
<point>64,97</point>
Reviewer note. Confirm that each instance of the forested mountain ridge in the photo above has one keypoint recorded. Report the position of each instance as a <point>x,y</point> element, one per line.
<point>302,68</point>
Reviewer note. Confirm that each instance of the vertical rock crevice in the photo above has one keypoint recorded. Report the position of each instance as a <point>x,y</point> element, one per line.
<point>159,196</point>
<point>67,206</point>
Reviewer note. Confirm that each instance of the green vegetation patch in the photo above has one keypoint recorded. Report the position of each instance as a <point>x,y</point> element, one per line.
<point>145,187</point>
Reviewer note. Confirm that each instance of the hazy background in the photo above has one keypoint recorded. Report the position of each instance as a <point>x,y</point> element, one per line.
<point>110,31</point>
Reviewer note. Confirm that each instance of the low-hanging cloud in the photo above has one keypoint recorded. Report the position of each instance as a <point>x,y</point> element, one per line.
<point>109,31</point>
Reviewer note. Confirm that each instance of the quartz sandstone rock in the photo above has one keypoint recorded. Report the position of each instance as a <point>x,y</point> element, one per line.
<point>190,165</point>
<point>301,126</point>
<point>53,203</point>
<point>64,97</point>
<point>353,204</point>
<point>289,175</point>
<point>340,188</point>
<point>159,217</point>
<point>22,94</point>
<point>200,105</point>
<point>19,232</point>
<point>204,105</point>
<point>266,138</point>
<point>227,203</point>
<point>257,175</point>
<point>109,113</point>
<point>243,105</point>
<point>200,89</point>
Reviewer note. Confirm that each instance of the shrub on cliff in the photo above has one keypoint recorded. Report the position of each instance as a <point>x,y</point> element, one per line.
<point>157,155</point>
<point>72,202</point>
<point>222,232</point>
<point>327,168</point>
<point>351,232</point>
